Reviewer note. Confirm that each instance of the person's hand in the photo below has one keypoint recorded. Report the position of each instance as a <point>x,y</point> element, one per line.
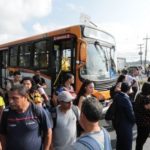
<point>147,106</point>
<point>38,85</point>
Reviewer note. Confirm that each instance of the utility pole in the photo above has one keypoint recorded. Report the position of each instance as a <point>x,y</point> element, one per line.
<point>140,52</point>
<point>146,42</point>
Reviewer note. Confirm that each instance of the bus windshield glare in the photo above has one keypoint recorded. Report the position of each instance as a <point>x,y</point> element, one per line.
<point>100,63</point>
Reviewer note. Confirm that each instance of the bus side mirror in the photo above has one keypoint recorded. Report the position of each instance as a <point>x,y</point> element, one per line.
<point>83,52</point>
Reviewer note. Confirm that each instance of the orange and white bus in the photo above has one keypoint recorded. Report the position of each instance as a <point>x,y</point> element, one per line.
<point>87,52</point>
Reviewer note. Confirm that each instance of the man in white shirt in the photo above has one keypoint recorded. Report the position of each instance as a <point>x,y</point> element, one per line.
<point>132,81</point>
<point>65,130</point>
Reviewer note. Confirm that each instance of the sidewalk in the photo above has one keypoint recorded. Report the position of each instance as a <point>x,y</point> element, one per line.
<point>113,136</point>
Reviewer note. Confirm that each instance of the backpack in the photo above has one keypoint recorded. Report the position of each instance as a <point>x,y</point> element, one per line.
<point>89,142</point>
<point>110,113</point>
<point>36,112</point>
<point>54,114</point>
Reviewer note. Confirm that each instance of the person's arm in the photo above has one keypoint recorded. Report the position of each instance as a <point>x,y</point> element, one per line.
<point>47,139</point>
<point>147,107</point>
<point>1,110</point>
<point>44,85</point>
<point>2,105</point>
<point>81,99</point>
<point>133,82</point>
<point>129,110</point>
<point>3,129</point>
<point>54,99</point>
<point>43,94</point>
<point>146,103</point>
<point>47,130</point>
<point>3,141</point>
<point>45,97</point>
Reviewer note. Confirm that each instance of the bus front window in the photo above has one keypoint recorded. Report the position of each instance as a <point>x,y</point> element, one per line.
<point>99,63</point>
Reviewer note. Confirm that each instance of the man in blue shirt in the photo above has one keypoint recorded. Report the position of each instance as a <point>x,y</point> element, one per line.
<point>24,126</point>
<point>94,137</point>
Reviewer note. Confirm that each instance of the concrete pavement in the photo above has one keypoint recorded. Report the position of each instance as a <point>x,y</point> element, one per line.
<point>113,136</point>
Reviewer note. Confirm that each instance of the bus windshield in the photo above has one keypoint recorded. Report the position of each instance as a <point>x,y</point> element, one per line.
<point>90,32</point>
<point>100,63</point>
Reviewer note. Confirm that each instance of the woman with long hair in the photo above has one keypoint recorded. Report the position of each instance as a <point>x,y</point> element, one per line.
<point>85,91</point>
<point>68,80</point>
<point>120,79</point>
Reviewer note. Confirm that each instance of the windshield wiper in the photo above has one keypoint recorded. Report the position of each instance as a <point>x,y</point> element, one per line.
<point>113,65</point>
<point>96,43</point>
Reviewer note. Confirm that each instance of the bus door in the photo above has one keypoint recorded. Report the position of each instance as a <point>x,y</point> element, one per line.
<point>64,57</point>
<point>3,66</point>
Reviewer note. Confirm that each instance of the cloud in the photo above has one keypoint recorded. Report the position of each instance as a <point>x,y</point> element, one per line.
<point>128,37</point>
<point>39,28</point>
<point>15,13</point>
<point>75,8</point>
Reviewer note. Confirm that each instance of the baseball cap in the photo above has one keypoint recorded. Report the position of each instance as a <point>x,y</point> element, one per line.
<point>65,96</point>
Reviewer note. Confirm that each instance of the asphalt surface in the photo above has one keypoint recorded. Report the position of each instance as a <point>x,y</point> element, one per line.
<point>112,133</point>
<point>113,136</point>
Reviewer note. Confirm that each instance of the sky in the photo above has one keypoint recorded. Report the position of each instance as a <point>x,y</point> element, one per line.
<point>127,20</point>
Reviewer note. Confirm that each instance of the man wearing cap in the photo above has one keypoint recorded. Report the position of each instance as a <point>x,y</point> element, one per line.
<point>95,137</point>
<point>65,131</point>
<point>124,118</point>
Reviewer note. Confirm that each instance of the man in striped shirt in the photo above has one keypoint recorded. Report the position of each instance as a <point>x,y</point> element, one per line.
<point>24,126</point>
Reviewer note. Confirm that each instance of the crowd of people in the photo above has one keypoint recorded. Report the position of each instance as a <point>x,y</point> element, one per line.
<point>130,106</point>
<point>30,120</point>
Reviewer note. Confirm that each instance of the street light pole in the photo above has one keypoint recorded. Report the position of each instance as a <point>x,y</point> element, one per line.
<point>140,52</point>
<point>146,42</point>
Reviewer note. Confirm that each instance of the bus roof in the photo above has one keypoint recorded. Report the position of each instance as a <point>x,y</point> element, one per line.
<point>76,29</point>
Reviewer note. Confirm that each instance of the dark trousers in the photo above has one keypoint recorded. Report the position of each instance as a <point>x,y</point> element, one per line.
<point>142,135</point>
<point>124,138</point>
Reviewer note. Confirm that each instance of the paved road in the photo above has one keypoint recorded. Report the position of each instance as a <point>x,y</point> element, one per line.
<point>112,132</point>
<point>113,136</point>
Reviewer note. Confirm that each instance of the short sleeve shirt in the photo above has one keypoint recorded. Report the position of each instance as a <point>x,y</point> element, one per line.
<point>98,136</point>
<point>65,130</point>
<point>24,131</point>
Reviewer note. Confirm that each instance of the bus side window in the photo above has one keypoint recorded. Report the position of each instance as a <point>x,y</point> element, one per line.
<point>24,58</point>
<point>41,54</point>
<point>13,55</point>
<point>57,60</point>
<point>5,59</point>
